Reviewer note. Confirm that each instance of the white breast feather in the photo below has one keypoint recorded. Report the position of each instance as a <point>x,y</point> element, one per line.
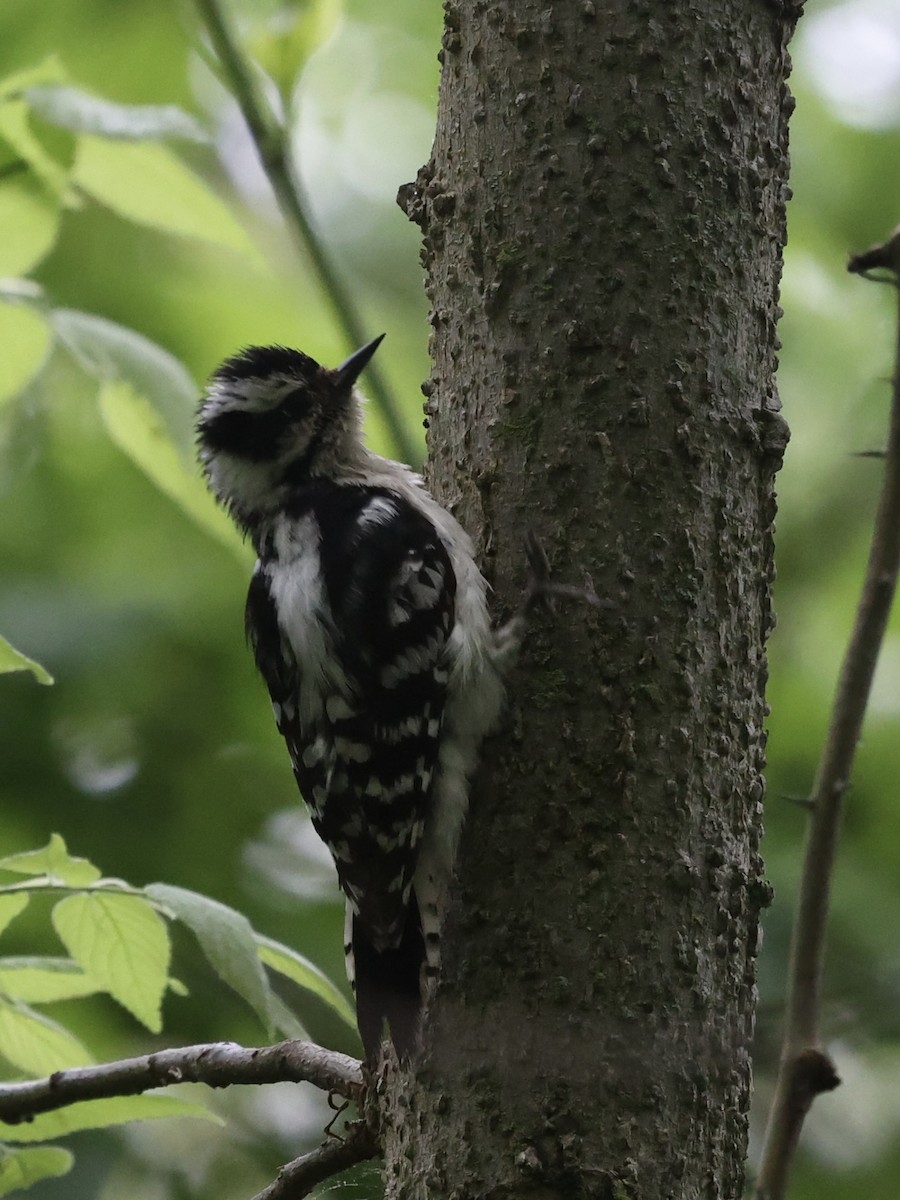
<point>297,589</point>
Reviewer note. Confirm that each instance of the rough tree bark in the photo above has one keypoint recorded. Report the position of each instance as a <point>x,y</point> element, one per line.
<point>603,218</point>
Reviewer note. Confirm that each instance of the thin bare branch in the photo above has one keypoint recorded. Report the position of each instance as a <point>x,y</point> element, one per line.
<point>273,147</point>
<point>805,1069</point>
<point>218,1064</point>
<point>298,1178</point>
<point>882,257</point>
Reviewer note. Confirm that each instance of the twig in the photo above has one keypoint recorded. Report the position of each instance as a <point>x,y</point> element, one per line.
<point>298,1178</point>
<point>218,1064</point>
<point>805,1069</point>
<point>883,257</point>
<point>273,148</point>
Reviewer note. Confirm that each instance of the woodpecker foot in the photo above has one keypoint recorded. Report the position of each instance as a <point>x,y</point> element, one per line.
<point>337,1105</point>
<point>541,591</point>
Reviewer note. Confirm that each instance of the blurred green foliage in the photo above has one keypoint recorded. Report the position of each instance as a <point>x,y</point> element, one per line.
<point>154,754</point>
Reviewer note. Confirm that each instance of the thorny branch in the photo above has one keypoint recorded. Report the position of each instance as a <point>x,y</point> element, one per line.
<point>806,1069</point>
<point>218,1064</point>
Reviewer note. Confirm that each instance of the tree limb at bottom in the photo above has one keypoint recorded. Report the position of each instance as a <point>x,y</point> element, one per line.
<point>217,1064</point>
<point>297,1179</point>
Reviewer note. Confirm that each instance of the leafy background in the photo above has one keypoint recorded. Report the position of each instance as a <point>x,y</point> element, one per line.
<point>154,754</point>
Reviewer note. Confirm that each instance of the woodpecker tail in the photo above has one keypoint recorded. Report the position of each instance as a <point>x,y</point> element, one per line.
<point>388,985</point>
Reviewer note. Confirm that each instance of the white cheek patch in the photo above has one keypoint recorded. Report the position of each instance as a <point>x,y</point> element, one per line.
<point>240,483</point>
<point>297,591</point>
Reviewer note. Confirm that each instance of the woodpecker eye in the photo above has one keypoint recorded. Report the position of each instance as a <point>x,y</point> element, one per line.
<point>295,405</point>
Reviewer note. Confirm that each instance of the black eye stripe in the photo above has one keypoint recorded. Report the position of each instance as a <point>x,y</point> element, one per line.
<point>252,435</point>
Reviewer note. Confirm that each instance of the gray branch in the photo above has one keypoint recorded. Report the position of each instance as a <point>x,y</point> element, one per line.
<point>805,1070</point>
<point>297,1179</point>
<point>217,1064</point>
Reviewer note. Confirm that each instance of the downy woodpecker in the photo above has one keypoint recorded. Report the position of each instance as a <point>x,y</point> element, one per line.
<point>368,620</point>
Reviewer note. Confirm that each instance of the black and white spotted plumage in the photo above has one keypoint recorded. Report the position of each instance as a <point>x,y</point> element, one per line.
<point>367,618</point>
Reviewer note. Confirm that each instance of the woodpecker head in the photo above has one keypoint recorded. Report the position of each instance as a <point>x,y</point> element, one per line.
<point>272,420</point>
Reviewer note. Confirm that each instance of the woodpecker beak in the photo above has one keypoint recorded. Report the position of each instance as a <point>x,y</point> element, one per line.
<point>350,370</point>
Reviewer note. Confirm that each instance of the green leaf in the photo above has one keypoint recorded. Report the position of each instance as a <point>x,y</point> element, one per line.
<point>16,131</point>
<point>148,401</point>
<point>136,428</point>
<point>300,970</point>
<point>145,182</point>
<point>281,47</point>
<point>49,70</point>
<point>19,1169</point>
<point>226,938</point>
<point>25,338</point>
<point>98,1114</point>
<point>36,980</point>
<point>10,907</point>
<point>284,1020</point>
<point>12,659</point>
<point>122,943</point>
<point>54,861</point>
<point>34,212</point>
<point>110,351</point>
<point>72,108</point>
<point>35,1044</point>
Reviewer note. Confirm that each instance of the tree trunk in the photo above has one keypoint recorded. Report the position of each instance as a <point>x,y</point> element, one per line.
<point>603,219</point>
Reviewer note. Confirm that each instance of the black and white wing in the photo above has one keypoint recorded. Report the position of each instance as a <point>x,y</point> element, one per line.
<point>358,672</point>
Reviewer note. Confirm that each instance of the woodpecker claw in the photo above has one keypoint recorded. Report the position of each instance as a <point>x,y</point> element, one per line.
<point>541,591</point>
<point>537,593</point>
